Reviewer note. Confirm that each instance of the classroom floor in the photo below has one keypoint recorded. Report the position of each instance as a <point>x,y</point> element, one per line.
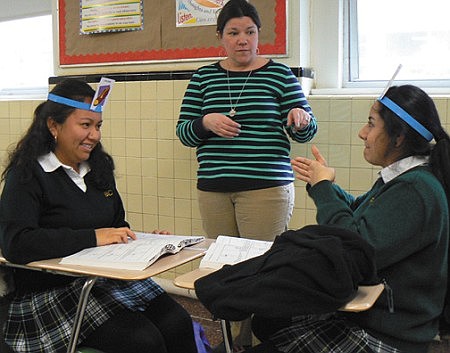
<point>442,346</point>
<point>214,334</point>
<point>203,316</point>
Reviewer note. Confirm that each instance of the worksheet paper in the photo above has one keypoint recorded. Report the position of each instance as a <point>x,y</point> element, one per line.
<point>228,250</point>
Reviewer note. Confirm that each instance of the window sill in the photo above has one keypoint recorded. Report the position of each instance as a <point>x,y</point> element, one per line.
<point>372,92</point>
<point>39,93</point>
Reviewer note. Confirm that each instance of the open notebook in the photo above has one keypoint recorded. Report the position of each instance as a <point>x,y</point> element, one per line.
<point>135,255</point>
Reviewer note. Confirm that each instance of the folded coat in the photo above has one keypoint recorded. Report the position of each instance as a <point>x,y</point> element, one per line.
<point>312,270</point>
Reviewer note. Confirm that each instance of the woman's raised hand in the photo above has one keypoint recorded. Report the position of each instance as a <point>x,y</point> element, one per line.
<point>298,119</point>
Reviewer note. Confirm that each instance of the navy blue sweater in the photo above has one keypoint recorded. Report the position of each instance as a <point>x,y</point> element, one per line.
<point>259,157</point>
<point>48,217</point>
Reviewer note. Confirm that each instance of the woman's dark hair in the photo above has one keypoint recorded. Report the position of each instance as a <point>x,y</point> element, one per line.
<point>234,9</point>
<point>421,107</point>
<point>38,140</point>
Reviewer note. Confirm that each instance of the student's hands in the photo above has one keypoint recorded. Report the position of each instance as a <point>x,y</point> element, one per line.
<point>298,119</point>
<point>313,171</point>
<point>221,125</point>
<point>107,236</point>
<point>161,231</point>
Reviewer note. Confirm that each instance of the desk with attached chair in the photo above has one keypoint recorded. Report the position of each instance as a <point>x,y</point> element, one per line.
<point>163,264</point>
<point>365,297</point>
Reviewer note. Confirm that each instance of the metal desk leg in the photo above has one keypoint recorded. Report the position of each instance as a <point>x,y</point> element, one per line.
<point>80,313</point>
<point>227,337</point>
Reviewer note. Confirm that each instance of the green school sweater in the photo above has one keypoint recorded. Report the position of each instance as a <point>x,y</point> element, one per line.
<point>407,222</point>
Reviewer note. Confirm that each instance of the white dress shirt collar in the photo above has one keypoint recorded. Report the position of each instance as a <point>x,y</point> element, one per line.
<point>395,169</point>
<point>49,163</point>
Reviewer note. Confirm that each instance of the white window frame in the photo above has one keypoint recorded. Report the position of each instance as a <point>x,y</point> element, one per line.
<point>21,10</point>
<point>331,56</point>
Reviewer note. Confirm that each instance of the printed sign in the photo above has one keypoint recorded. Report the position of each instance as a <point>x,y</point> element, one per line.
<point>99,16</point>
<point>197,12</point>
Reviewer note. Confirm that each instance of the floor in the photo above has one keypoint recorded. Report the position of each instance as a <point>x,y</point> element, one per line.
<point>214,334</point>
<point>200,314</point>
<point>442,346</point>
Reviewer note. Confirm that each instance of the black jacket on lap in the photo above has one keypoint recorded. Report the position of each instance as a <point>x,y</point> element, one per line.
<point>312,270</point>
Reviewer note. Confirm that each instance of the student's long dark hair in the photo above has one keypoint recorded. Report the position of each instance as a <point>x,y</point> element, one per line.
<point>420,106</point>
<point>38,140</point>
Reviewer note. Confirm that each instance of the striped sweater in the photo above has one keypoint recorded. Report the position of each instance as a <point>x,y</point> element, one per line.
<point>259,157</point>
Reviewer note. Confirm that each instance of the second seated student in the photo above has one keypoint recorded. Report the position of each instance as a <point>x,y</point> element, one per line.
<point>404,216</point>
<point>59,197</point>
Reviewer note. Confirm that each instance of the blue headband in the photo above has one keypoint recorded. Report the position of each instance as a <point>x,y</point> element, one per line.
<point>402,114</point>
<point>73,103</point>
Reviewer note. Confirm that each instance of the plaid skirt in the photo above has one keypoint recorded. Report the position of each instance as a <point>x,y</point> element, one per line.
<point>43,321</point>
<point>327,333</point>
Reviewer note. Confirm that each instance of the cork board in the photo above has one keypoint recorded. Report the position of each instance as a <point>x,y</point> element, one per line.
<point>160,40</point>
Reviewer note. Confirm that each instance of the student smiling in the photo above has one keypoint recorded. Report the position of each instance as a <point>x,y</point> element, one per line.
<point>60,197</point>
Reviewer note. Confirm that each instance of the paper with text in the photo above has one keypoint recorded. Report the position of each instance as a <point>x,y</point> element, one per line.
<point>228,250</point>
<point>135,255</point>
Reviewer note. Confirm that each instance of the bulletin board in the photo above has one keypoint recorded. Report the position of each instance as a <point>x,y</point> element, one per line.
<point>160,40</point>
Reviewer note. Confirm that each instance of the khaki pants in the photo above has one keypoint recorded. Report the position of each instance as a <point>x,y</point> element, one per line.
<point>255,214</point>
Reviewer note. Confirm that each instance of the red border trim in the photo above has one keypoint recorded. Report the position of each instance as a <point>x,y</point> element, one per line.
<point>278,47</point>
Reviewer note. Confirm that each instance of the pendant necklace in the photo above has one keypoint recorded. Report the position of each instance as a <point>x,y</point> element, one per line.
<point>232,112</point>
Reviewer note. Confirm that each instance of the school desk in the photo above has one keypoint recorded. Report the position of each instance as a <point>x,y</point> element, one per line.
<point>163,264</point>
<point>363,300</point>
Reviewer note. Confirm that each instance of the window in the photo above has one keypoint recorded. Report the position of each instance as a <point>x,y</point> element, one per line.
<point>26,62</point>
<point>385,33</point>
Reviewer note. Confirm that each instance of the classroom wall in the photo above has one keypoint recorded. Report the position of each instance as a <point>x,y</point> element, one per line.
<point>156,174</point>
<point>24,8</point>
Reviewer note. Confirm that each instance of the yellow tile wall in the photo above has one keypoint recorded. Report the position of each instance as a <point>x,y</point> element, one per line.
<point>156,174</point>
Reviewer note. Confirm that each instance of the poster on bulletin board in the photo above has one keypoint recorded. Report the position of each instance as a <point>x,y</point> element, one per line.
<point>160,39</point>
<point>104,16</point>
<point>197,12</point>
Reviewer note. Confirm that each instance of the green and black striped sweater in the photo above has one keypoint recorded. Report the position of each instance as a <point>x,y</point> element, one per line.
<point>259,157</point>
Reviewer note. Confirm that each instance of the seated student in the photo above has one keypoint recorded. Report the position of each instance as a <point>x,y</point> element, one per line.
<point>60,197</point>
<point>404,216</point>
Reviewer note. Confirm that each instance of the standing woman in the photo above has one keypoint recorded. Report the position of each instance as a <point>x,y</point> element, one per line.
<point>240,113</point>
<point>405,217</point>
<point>59,197</point>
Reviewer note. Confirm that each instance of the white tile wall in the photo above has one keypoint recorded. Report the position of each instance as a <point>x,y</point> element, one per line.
<point>156,174</point>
